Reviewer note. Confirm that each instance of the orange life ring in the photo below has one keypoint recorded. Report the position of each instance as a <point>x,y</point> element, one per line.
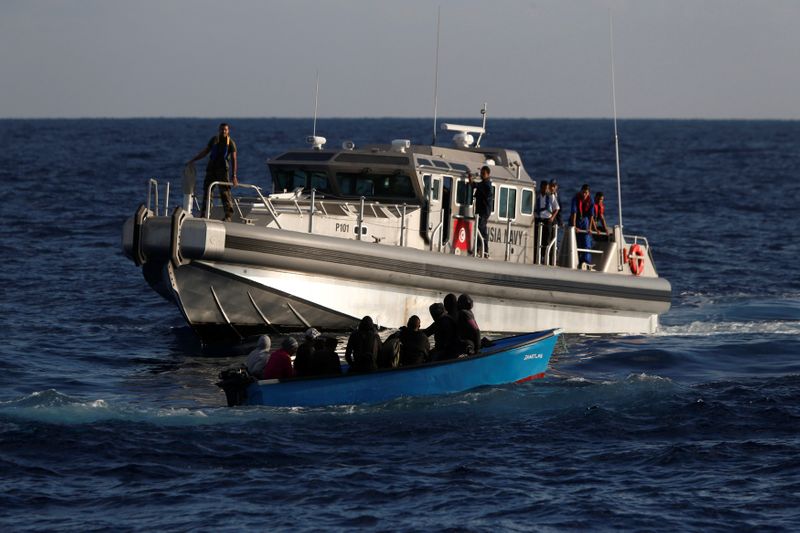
<point>636,259</point>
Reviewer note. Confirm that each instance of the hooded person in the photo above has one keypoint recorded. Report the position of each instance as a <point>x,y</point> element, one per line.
<point>279,365</point>
<point>363,346</point>
<point>468,331</point>
<point>443,329</point>
<point>257,359</point>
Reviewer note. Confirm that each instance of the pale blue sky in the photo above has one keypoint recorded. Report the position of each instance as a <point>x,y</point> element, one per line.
<point>535,58</point>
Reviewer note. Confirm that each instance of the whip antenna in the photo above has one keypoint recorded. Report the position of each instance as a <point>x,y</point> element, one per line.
<point>614,106</point>
<point>316,101</point>
<point>436,73</point>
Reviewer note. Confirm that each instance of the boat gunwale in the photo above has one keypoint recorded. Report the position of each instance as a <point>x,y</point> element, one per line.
<point>498,350</point>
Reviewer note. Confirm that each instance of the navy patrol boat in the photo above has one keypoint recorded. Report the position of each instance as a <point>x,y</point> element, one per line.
<point>385,230</point>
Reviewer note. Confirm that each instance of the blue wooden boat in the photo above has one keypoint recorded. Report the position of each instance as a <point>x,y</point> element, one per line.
<point>513,359</point>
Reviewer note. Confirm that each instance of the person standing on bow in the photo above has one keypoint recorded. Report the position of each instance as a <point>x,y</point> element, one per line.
<point>484,202</point>
<point>222,157</point>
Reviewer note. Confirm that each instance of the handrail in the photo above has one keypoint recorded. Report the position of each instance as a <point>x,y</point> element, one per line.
<point>153,183</point>
<point>438,229</point>
<point>267,203</point>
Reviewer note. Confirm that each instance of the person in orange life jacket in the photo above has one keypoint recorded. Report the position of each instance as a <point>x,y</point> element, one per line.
<point>484,202</point>
<point>279,365</point>
<point>221,149</point>
<point>601,228</point>
<point>581,218</point>
<point>544,216</point>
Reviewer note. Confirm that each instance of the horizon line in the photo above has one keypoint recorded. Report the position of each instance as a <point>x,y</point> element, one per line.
<point>390,117</point>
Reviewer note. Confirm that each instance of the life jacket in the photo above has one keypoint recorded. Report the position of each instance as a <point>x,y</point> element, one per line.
<point>599,210</point>
<point>219,153</point>
<point>584,206</point>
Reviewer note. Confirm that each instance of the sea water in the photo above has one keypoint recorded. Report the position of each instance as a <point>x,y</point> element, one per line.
<point>110,419</point>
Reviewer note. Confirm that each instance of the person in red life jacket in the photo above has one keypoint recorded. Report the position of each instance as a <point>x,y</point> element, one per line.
<point>599,219</point>
<point>279,365</point>
<point>581,217</point>
<point>222,152</point>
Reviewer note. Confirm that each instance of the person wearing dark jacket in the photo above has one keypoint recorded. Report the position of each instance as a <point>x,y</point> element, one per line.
<point>414,344</point>
<point>325,360</point>
<point>362,347</point>
<point>484,203</point>
<point>303,364</point>
<point>443,329</point>
<point>468,331</point>
<point>451,306</point>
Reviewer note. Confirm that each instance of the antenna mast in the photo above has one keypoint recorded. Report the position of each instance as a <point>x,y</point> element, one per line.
<point>316,101</point>
<point>614,105</point>
<point>436,73</point>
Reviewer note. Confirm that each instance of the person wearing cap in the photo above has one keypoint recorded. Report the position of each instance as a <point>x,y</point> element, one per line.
<point>303,361</point>
<point>555,202</point>
<point>544,216</point>
<point>279,365</point>
<point>484,203</point>
<point>258,358</point>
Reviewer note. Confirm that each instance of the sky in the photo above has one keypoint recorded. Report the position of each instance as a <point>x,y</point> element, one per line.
<point>711,59</point>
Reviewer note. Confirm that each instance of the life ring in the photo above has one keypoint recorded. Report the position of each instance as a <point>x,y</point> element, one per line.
<point>636,259</point>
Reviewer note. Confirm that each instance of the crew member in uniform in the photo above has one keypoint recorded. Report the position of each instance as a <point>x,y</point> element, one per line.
<point>222,155</point>
<point>484,201</point>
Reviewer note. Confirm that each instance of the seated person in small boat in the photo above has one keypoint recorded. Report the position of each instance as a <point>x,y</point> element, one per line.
<point>443,329</point>
<point>325,360</point>
<point>258,358</point>
<point>362,347</point>
<point>414,345</point>
<point>279,365</point>
<point>303,364</point>
<point>451,306</point>
<point>467,328</point>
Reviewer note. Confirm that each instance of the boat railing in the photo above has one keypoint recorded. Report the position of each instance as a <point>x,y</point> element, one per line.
<point>550,248</point>
<point>152,194</point>
<point>264,200</point>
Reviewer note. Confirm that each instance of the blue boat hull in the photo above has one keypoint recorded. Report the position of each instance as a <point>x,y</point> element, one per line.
<point>509,360</point>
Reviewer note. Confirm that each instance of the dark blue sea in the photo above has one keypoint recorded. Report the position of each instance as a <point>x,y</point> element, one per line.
<point>110,419</point>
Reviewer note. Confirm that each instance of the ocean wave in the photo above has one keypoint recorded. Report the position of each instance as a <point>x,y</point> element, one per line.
<point>706,329</point>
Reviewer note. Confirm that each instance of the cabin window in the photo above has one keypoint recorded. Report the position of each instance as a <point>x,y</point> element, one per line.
<point>463,193</point>
<point>380,185</point>
<point>424,162</point>
<point>289,179</point>
<point>526,206</point>
<point>432,186</point>
<point>440,164</point>
<point>459,166</point>
<point>507,206</point>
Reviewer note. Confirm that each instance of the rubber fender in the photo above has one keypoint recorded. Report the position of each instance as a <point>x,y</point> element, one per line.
<point>139,257</point>
<point>178,216</point>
